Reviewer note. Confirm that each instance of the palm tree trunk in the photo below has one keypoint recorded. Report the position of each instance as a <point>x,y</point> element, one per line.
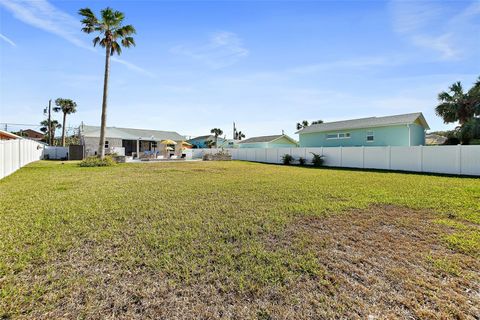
<point>63,129</point>
<point>101,144</point>
<point>216,141</point>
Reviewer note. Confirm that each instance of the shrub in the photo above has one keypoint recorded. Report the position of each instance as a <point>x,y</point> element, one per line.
<point>317,160</point>
<point>95,161</point>
<point>287,159</point>
<point>302,161</point>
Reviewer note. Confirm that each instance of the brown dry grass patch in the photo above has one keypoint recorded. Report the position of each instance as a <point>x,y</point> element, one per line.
<point>384,262</point>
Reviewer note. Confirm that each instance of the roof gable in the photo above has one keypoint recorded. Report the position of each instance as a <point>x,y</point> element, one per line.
<point>370,122</point>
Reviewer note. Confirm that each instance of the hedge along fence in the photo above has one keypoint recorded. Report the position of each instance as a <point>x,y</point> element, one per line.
<point>461,159</point>
<point>15,154</point>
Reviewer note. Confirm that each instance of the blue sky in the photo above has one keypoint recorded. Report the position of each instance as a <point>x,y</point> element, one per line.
<point>264,64</point>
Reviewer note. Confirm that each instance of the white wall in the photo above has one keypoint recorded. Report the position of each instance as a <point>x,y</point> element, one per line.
<point>463,160</point>
<point>15,154</point>
<point>55,153</point>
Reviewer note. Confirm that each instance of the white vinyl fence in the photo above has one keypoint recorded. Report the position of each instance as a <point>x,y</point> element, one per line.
<point>15,154</point>
<point>462,160</point>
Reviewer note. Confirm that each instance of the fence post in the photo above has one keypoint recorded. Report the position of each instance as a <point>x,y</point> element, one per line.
<point>389,157</point>
<point>421,158</point>
<point>363,157</point>
<point>341,156</point>
<point>459,159</point>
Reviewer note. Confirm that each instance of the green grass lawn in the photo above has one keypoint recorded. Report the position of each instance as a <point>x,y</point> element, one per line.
<point>232,239</point>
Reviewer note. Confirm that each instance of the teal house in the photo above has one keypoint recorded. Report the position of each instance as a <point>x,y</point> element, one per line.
<point>275,141</point>
<point>398,130</point>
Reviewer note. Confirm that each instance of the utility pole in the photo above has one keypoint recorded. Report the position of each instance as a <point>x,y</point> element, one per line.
<point>234,131</point>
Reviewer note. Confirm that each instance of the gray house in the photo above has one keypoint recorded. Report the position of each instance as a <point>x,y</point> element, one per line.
<point>132,140</point>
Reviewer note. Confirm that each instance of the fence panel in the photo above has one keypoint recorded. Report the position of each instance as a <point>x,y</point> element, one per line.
<point>15,154</point>
<point>376,158</point>
<point>352,157</point>
<point>406,158</point>
<point>441,159</point>
<point>470,160</point>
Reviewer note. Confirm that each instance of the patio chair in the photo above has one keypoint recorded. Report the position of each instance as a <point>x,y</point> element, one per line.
<point>174,157</point>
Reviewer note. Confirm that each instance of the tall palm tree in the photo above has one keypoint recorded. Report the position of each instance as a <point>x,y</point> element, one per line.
<point>457,105</point>
<point>67,106</point>
<point>50,132</point>
<point>216,132</point>
<point>110,29</point>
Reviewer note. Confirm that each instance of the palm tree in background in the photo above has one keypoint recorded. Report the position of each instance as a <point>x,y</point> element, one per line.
<point>457,105</point>
<point>239,135</point>
<point>67,106</point>
<point>110,29</point>
<point>304,124</point>
<point>50,132</point>
<point>301,125</point>
<point>216,132</point>
<point>464,107</point>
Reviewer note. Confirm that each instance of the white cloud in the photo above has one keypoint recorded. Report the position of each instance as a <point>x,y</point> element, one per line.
<point>43,15</point>
<point>355,63</point>
<point>222,49</point>
<point>7,40</point>
<point>436,27</point>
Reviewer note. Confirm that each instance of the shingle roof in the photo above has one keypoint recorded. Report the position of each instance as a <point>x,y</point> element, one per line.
<point>266,139</point>
<point>366,123</point>
<point>131,134</point>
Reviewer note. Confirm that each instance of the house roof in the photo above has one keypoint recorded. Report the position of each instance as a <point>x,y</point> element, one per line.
<point>9,135</point>
<point>267,139</point>
<point>130,134</point>
<point>367,123</point>
<point>207,137</point>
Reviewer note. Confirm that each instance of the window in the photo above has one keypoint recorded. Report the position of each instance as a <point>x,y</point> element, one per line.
<point>154,144</point>
<point>370,136</point>
<point>345,135</point>
<point>106,144</point>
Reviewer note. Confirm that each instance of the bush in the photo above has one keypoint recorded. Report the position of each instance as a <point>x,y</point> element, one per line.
<point>287,159</point>
<point>317,160</point>
<point>302,161</point>
<point>95,161</point>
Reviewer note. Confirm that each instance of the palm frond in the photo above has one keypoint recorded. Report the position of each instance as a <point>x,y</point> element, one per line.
<point>96,40</point>
<point>444,96</point>
<point>128,42</point>
<point>103,42</point>
<point>115,48</point>
<point>125,31</point>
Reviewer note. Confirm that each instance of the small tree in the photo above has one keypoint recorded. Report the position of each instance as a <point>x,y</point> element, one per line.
<point>317,160</point>
<point>287,159</point>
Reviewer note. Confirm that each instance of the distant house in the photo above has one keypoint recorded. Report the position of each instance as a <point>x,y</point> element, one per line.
<point>133,140</point>
<point>275,141</point>
<point>5,135</point>
<point>398,130</point>
<point>32,134</point>
<point>203,142</point>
